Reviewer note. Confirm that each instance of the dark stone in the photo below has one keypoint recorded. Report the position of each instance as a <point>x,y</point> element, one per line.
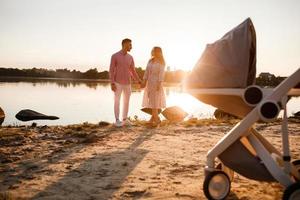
<point>297,115</point>
<point>2,116</point>
<point>174,114</point>
<point>149,110</point>
<point>28,115</point>
<point>219,114</point>
<point>103,124</point>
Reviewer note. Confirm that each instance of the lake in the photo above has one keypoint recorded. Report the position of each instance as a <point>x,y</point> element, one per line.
<point>78,102</point>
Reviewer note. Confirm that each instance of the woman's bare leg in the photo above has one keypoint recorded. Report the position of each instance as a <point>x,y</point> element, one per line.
<point>156,119</point>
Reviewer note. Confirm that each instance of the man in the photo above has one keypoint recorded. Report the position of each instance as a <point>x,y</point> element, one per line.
<point>121,70</point>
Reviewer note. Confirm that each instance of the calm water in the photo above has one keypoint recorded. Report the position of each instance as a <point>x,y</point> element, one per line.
<point>88,102</point>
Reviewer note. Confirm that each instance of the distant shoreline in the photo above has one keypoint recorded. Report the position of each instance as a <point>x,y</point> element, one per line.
<point>5,78</point>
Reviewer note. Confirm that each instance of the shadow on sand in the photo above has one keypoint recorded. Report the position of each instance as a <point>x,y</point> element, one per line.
<point>100,176</point>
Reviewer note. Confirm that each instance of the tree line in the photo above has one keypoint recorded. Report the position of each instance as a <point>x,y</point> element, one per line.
<point>58,73</point>
<point>170,76</point>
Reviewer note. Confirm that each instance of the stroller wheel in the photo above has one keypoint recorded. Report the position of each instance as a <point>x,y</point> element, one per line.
<point>216,185</point>
<point>228,171</point>
<point>296,164</point>
<point>292,192</point>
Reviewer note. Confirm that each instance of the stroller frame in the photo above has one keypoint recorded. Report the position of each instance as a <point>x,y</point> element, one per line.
<point>280,167</point>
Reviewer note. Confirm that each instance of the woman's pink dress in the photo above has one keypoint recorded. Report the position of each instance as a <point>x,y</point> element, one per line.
<point>154,75</point>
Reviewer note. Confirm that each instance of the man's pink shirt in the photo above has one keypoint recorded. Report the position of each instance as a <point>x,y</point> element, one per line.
<point>122,68</point>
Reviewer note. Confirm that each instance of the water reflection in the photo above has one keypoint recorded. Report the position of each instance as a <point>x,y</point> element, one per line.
<point>88,101</point>
<point>58,82</point>
<point>65,83</point>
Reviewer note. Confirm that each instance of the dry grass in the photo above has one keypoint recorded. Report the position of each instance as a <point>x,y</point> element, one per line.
<point>85,129</point>
<point>6,196</point>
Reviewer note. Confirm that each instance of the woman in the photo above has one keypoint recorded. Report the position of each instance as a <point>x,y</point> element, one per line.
<point>154,96</point>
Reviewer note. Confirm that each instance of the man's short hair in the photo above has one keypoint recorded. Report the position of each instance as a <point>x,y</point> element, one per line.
<point>126,40</point>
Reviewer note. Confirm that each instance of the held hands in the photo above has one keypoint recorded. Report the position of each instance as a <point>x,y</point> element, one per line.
<point>113,87</point>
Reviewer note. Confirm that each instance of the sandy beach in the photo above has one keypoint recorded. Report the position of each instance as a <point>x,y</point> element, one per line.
<point>99,161</point>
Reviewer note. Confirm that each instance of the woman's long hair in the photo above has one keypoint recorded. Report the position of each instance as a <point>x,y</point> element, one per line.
<point>158,55</point>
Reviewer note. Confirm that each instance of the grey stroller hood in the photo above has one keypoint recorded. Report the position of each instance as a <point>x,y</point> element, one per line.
<point>230,62</point>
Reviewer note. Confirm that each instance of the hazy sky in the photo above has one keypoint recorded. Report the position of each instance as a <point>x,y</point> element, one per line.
<point>80,34</point>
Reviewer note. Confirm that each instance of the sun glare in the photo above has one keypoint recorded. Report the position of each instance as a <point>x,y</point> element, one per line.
<point>189,104</point>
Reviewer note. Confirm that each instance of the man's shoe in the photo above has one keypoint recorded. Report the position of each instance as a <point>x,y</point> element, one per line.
<point>118,123</point>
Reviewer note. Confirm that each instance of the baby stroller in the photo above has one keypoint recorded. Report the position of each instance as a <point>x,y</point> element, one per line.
<point>224,78</point>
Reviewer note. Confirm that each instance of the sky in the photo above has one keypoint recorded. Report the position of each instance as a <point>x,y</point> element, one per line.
<point>83,34</point>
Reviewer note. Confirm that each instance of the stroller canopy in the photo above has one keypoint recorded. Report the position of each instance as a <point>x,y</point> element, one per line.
<point>230,62</point>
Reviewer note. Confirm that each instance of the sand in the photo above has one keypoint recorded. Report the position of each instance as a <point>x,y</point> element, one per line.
<point>103,162</point>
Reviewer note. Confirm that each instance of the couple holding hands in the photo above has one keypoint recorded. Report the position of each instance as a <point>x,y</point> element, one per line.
<point>121,70</point>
